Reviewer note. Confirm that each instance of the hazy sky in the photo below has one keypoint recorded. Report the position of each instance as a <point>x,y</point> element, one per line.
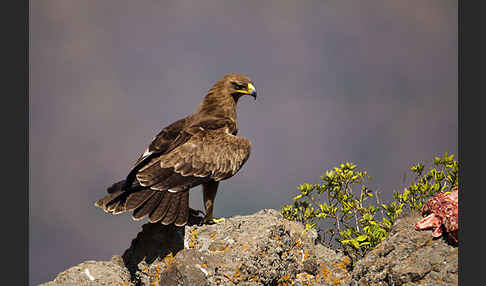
<point>372,82</point>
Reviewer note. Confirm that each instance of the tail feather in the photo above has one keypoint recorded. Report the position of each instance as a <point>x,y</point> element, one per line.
<point>136,199</point>
<point>110,207</point>
<point>118,186</point>
<point>147,207</point>
<point>108,199</point>
<point>161,210</point>
<point>183,214</point>
<point>164,206</point>
<point>120,208</point>
<point>172,209</point>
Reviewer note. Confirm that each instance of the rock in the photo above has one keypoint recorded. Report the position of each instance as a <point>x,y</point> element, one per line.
<point>408,257</point>
<point>266,249</point>
<point>90,273</point>
<point>154,241</point>
<point>260,249</point>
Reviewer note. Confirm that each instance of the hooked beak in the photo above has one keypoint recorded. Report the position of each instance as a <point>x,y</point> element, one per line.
<point>252,90</point>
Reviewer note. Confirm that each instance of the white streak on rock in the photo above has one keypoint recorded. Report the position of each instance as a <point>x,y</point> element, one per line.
<point>202,269</point>
<point>86,271</point>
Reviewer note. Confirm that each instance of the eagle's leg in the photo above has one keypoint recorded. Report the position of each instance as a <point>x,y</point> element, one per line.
<point>209,194</point>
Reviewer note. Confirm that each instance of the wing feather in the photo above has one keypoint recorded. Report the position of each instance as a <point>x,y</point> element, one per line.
<point>213,153</point>
<point>147,207</point>
<point>209,154</point>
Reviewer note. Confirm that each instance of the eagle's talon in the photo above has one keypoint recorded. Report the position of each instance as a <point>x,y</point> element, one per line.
<point>210,220</point>
<point>219,220</point>
<point>213,221</point>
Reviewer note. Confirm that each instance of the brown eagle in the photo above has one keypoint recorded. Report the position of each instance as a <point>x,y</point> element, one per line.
<point>200,149</point>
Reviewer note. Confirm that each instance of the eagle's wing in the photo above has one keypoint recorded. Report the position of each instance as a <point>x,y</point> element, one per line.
<point>209,154</point>
<point>167,139</point>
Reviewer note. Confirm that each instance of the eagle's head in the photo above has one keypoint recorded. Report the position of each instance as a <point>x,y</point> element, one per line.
<point>222,98</point>
<point>237,85</point>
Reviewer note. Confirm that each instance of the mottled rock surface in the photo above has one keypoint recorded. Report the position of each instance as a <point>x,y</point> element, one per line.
<point>266,249</point>
<point>91,273</point>
<point>408,257</point>
<point>261,249</point>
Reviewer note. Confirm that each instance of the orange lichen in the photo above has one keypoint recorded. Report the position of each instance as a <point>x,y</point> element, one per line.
<point>218,248</point>
<point>303,276</point>
<point>229,278</point>
<point>298,243</point>
<point>157,274</point>
<point>236,276</point>
<point>193,240</point>
<point>168,259</point>
<point>325,272</point>
<point>284,281</point>
<point>346,260</point>
<point>254,278</point>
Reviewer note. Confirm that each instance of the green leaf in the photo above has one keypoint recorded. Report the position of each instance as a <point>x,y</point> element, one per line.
<point>310,226</point>
<point>362,237</point>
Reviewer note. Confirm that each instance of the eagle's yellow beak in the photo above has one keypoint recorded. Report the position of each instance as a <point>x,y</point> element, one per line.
<point>251,90</point>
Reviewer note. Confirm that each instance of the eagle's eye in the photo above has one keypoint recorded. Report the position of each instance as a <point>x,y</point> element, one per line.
<point>238,86</point>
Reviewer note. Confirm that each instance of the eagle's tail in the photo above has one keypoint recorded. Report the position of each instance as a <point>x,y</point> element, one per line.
<point>164,206</point>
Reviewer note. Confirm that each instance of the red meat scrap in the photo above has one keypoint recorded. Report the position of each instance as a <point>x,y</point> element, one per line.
<point>442,215</point>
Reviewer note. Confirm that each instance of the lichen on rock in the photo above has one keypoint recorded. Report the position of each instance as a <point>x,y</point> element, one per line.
<point>266,249</point>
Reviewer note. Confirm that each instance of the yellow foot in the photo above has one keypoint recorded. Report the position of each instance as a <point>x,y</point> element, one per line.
<point>212,220</point>
<point>218,220</point>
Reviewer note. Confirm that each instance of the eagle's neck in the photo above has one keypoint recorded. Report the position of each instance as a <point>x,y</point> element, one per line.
<point>220,105</point>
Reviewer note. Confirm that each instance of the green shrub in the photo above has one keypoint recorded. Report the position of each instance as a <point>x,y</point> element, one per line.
<point>426,184</point>
<point>359,223</point>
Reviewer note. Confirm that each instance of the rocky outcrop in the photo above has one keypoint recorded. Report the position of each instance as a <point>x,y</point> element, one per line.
<point>261,249</point>
<point>91,273</point>
<point>409,257</point>
<point>266,249</point>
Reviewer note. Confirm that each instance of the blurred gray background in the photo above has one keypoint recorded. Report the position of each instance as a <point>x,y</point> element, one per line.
<point>373,82</point>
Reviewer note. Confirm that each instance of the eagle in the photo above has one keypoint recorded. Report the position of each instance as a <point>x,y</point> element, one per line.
<point>200,149</point>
